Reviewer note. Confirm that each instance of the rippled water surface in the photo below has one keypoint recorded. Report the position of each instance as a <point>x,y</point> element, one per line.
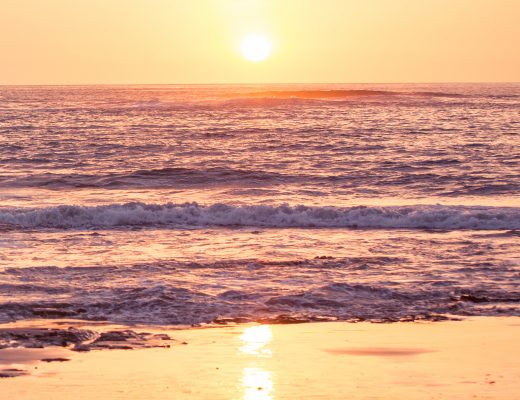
<point>190,204</point>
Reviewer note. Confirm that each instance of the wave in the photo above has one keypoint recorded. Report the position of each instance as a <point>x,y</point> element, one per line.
<point>423,177</point>
<point>193,215</point>
<point>340,94</point>
<point>317,94</point>
<point>166,293</point>
<point>159,177</point>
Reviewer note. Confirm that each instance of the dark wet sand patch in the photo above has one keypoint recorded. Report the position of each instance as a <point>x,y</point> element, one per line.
<point>12,372</point>
<point>379,351</point>
<point>81,339</point>
<point>29,356</point>
<point>28,346</point>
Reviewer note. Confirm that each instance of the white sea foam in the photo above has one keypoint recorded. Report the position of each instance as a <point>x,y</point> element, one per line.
<point>192,215</point>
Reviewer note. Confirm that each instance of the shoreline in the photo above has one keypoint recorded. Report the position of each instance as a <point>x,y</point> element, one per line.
<point>473,358</point>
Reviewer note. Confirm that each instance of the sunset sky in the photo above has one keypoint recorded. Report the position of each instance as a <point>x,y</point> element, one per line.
<point>198,41</point>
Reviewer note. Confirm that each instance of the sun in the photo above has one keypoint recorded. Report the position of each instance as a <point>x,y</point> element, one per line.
<point>255,48</point>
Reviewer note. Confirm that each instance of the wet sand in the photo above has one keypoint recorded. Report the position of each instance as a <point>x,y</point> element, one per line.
<point>477,358</point>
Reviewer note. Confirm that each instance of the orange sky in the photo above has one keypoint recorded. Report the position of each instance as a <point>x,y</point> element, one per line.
<point>198,41</point>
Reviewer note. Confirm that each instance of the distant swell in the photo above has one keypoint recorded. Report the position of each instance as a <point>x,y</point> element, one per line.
<point>341,94</point>
<point>159,177</point>
<point>193,215</point>
<point>317,94</point>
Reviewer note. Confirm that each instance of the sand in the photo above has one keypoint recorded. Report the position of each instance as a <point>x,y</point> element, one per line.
<point>477,358</point>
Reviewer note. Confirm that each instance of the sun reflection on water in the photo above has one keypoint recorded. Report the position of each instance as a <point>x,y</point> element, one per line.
<point>257,383</point>
<point>255,339</point>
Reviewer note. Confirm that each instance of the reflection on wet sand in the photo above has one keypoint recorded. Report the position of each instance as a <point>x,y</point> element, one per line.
<point>257,381</point>
<point>255,340</point>
<point>258,384</point>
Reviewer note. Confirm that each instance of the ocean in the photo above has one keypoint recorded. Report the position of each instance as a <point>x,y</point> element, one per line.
<point>195,205</point>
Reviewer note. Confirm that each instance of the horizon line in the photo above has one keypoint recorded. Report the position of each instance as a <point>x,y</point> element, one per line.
<point>259,84</point>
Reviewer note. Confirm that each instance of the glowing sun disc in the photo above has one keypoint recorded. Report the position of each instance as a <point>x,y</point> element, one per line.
<point>255,48</point>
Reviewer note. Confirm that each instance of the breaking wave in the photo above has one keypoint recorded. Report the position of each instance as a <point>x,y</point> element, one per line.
<point>193,215</point>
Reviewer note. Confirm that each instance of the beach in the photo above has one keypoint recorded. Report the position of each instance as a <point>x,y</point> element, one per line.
<point>477,358</point>
<point>259,241</point>
<point>259,200</point>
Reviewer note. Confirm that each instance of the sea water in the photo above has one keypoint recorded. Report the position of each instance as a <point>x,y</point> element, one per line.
<point>196,204</point>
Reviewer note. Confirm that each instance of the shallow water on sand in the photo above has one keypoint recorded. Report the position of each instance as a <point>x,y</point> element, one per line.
<point>309,361</point>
